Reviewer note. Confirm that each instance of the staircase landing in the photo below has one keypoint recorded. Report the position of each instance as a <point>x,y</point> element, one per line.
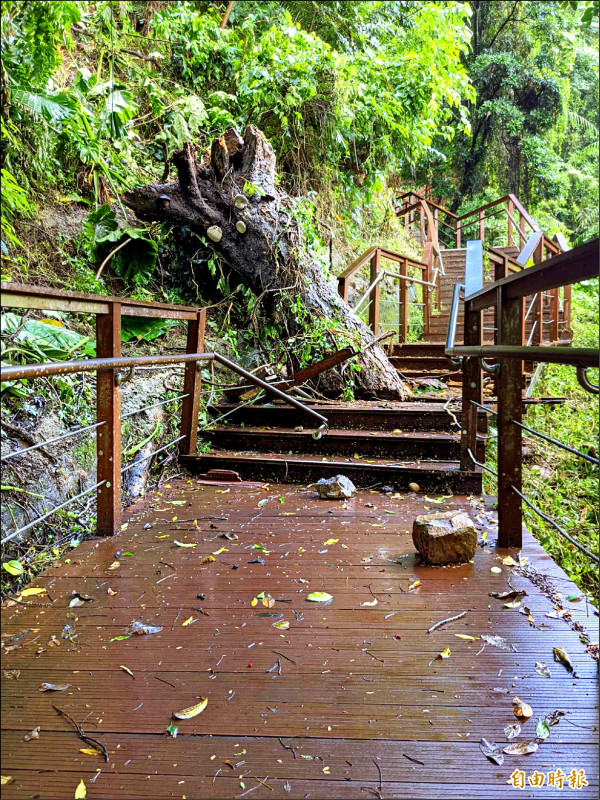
<point>350,701</point>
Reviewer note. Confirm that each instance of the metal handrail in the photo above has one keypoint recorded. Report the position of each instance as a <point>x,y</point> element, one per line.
<point>452,323</point>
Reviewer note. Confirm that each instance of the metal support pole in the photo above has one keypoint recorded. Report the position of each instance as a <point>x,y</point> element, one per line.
<point>108,436</point>
<point>192,386</point>
<point>471,388</point>
<point>510,515</point>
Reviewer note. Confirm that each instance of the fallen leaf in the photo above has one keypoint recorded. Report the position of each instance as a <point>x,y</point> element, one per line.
<point>187,622</point>
<point>498,641</point>
<point>319,597</point>
<point>334,541</point>
<point>542,669</point>
<point>491,751</point>
<point>53,687</point>
<point>521,748</point>
<point>572,598</point>
<point>512,729</point>
<point>445,653</point>
<point>512,595</point>
<point>263,502</point>
<point>142,629</point>
<point>514,604</point>
<point>414,585</point>
<point>89,751</point>
<point>495,570</point>
<point>39,590</point>
<point>110,592</point>
<point>283,625</point>
<point>6,779</point>
<point>186,544</point>
<point>192,711</point>
<point>81,791</point>
<point>172,730</point>
<point>34,734</point>
<point>207,560</point>
<point>521,709</point>
<point>370,602</point>
<point>114,565</point>
<point>466,637</point>
<point>542,729</point>
<point>13,568</point>
<point>510,562</point>
<point>127,670</point>
<point>561,655</point>
<point>220,550</point>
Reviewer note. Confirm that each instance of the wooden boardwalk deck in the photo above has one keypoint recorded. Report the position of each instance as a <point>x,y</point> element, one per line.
<point>349,702</point>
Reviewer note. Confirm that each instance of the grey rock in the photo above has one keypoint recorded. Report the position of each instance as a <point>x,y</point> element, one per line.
<point>337,488</point>
<point>445,537</point>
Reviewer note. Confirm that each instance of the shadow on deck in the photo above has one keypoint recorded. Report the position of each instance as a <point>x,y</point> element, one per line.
<point>349,702</point>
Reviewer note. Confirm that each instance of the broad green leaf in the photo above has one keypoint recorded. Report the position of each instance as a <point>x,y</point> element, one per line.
<point>13,567</point>
<point>319,597</point>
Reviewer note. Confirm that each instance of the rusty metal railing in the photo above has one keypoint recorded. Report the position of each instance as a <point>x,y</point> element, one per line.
<point>109,312</point>
<point>508,297</point>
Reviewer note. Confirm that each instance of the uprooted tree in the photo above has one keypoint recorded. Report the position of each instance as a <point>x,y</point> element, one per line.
<point>254,230</point>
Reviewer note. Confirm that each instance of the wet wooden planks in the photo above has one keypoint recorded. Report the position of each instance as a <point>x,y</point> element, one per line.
<point>343,688</point>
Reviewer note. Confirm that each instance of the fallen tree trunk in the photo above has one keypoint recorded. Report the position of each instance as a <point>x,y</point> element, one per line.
<point>231,198</point>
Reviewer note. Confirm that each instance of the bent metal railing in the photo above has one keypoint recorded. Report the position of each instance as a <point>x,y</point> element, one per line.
<point>509,352</point>
<point>109,312</point>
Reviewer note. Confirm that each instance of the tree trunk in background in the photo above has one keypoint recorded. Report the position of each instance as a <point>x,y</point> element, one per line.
<point>257,235</point>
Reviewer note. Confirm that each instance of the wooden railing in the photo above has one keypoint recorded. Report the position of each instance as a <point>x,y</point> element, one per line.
<point>428,279</point>
<point>107,365</point>
<point>472,224</point>
<point>508,296</point>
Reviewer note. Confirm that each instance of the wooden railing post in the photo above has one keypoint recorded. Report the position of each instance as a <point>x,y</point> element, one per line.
<point>375,293</point>
<point>403,304</point>
<point>343,288</point>
<point>108,436</point>
<point>428,258</point>
<point>471,388</point>
<point>511,213</point>
<point>567,310</point>
<point>510,517</point>
<point>482,225</point>
<point>458,232</point>
<point>554,314</point>
<point>192,386</point>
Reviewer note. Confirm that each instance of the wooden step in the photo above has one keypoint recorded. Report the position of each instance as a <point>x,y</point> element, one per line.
<point>420,363</point>
<point>417,415</point>
<point>431,476</point>
<point>399,446</point>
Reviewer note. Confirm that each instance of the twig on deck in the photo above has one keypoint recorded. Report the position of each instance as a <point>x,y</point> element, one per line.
<point>83,736</point>
<point>291,660</point>
<point>444,621</point>
<point>379,772</point>
<point>375,657</point>
<point>162,680</point>
<point>416,760</point>
<point>287,747</point>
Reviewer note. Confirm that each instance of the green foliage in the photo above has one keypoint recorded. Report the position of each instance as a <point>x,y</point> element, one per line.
<point>142,328</point>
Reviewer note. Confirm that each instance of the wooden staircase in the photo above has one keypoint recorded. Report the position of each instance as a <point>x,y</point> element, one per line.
<point>372,443</point>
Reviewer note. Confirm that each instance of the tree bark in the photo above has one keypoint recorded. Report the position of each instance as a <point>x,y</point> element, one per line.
<point>256,233</point>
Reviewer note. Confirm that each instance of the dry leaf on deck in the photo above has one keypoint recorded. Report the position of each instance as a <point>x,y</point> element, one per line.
<point>319,597</point>
<point>492,751</point>
<point>33,590</point>
<point>521,748</point>
<point>186,544</point>
<point>542,669</point>
<point>498,641</point>
<point>414,585</point>
<point>127,670</point>
<point>53,687</point>
<point>192,711</point>
<point>207,560</point>
<point>561,655</point>
<point>81,791</point>
<point>521,709</point>
<point>283,625</point>
<point>370,602</point>
<point>34,734</point>
<point>512,729</point>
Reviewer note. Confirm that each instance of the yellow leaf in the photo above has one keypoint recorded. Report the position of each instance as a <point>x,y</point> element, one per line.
<point>6,779</point>
<point>268,601</point>
<point>89,751</point>
<point>331,541</point>
<point>55,322</point>
<point>509,561</point>
<point>115,565</point>
<point>514,604</point>
<point>445,653</point>
<point>164,536</point>
<point>185,544</point>
<point>466,636</point>
<point>495,570</point>
<point>319,597</point>
<point>192,711</point>
<point>283,625</point>
<point>32,591</point>
<point>220,550</point>
<point>207,560</point>
<point>188,621</point>
<point>414,585</point>
<point>127,670</point>
<point>370,602</point>
<point>124,526</point>
<point>521,709</point>
<point>81,791</point>
<point>254,601</point>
